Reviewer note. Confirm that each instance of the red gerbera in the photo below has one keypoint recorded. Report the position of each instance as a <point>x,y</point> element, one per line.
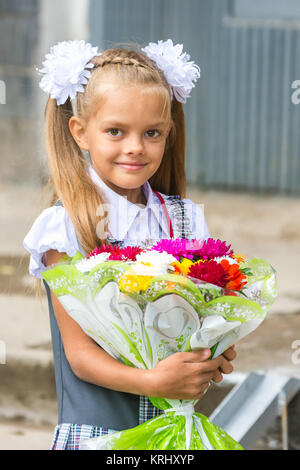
<point>209,271</point>
<point>104,249</point>
<point>128,253</point>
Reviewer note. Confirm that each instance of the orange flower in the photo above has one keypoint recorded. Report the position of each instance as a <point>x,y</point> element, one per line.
<point>239,257</point>
<point>236,279</point>
<point>177,269</point>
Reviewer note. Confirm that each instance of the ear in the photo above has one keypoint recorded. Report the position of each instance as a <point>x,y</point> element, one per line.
<point>78,130</point>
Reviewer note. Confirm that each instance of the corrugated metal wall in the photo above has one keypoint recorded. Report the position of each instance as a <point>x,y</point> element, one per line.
<point>242,128</point>
<point>19,35</point>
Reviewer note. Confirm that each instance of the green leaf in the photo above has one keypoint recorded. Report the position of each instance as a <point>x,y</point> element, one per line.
<point>246,271</point>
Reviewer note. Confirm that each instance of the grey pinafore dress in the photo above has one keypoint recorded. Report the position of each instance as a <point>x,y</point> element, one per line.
<point>86,410</point>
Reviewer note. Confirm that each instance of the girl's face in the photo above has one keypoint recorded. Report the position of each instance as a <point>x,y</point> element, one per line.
<point>125,137</point>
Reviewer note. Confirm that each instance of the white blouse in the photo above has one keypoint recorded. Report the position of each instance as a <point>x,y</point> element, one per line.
<point>53,228</point>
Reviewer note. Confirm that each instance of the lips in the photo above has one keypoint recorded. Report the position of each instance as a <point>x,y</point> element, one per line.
<point>131,163</point>
<point>131,166</point>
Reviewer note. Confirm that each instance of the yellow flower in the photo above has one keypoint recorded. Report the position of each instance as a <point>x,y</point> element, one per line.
<point>132,282</point>
<point>183,266</point>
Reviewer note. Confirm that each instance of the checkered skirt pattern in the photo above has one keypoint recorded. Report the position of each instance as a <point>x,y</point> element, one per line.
<point>68,436</point>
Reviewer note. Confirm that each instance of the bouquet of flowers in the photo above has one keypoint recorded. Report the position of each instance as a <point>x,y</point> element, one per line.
<point>143,304</point>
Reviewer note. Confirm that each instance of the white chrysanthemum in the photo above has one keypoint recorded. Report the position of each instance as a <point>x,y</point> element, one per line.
<point>179,71</point>
<point>156,259</point>
<point>66,69</point>
<point>86,265</point>
<point>218,259</point>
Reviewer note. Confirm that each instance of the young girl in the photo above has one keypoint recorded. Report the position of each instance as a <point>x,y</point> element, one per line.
<point>128,115</point>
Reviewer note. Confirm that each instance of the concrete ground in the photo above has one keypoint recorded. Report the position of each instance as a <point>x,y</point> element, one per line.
<point>260,226</point>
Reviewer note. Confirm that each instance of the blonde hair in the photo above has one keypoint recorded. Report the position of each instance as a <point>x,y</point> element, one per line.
<point>69,180</point>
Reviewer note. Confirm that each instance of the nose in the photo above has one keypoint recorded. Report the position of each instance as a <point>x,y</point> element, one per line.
<point>134,145</point>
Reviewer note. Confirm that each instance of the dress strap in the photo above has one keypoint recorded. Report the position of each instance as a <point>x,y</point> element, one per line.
<point>166,213</point>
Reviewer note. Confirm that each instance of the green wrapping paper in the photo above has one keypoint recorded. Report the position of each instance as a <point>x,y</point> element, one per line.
<point>164,314</point>
<point>180,430</point>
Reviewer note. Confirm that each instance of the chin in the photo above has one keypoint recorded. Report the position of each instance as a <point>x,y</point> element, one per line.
<point>130,182</point>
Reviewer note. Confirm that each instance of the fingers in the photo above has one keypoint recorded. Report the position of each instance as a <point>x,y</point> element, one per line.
<point>196,356</point>
<point>205,378</point>
<point>217,376</point>
<point>204,354</point>
<point>226,367</point>
<point>202,390</point>
<point>217,367</point>
<point>229,354</point>
<point>213,364</point>
<point>211,369</point>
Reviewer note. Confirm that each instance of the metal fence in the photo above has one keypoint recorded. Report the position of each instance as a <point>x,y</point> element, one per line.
<point>19,36</point>
<point>242,127</point>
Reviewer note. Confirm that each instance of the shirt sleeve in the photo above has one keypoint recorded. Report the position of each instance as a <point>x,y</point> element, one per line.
<point>197,222</point>
<point>53,229</point>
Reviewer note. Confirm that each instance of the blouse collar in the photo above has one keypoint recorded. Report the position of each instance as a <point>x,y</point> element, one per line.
<point>123,212</point>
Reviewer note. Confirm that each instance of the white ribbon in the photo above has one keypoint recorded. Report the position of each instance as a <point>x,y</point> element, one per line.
<point>74,106</point>
<point>187,410</point>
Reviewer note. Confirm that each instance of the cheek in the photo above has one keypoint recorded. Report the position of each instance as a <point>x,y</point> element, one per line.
<point>106,149</point>
<point>157,149</point>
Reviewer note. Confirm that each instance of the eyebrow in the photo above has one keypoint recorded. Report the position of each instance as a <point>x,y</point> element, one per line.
<point>121,124</point>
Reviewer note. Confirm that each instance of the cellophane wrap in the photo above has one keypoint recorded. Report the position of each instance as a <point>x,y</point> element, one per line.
<point>163,315</point>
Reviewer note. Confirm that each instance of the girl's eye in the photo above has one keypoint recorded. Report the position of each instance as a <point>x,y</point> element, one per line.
<point>114,132</point>
<point>117,133</point>
<point>152,131</point>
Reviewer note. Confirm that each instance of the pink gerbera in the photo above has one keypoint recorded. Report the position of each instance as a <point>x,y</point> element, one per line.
<point>213,248</point>
<point>209,271</point>
<point>179,247</point>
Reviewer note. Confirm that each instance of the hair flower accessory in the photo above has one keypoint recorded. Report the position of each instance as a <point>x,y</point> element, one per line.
<point>179,71</point>
<point>66,69</point>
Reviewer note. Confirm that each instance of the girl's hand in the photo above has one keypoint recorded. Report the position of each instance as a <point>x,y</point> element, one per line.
<point>187,375</point>
<point>229,355</point>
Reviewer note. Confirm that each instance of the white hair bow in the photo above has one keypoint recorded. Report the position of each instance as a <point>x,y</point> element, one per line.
<point>67,68</point>
<point>180,73</point>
